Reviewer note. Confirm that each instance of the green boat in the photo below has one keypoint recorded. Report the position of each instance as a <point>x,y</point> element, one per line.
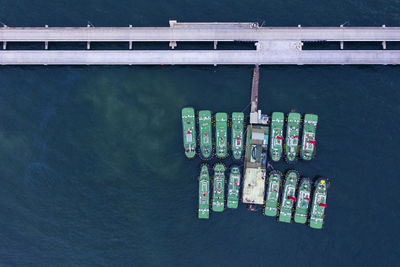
<point>218,188</point>
<point>271,203</point>
<point>288,196</point>
<point>292,137</point>
<point>189,132</point>
<point>303,201</point>
<point>308,139</point>
<point>204,193</point>
<point>205,134</point>
<point>233,188</point>
<point>221,132</point>
<point>237,134</point>
<point>318,204</point>
<point>275,148</point>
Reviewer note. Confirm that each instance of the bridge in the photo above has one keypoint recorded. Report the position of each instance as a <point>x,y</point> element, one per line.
<point>272,45</point>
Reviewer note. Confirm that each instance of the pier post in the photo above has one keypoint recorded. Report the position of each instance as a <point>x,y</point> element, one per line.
<point>88,42</point>
<point>130,42</point>
<point>384,42</point>
<point>4,45</point>
<point>341,42</point>
<point>172,44</point>
<point>46,43</point>
<point>215,45</point>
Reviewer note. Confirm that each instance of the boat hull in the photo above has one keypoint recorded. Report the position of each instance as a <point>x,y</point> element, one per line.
<point>205,132</point>
<point>288,196</point>
<point>221,134</point>
<point>307,150</point>
<point>276,136</point>
<point>292,137</point>
<point>233,188</point>
<point>272,195</point>
<point>237,135</point>
<point>317,214</point>
<point>204,193</point>
<point>303,201</point>
<point>189,131</point>
<point>218,200</point>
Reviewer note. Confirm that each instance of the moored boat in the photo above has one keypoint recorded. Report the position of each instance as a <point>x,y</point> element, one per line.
<point>271,201</point>
<point>288,196</point>
<point>303,201</point>
<point>308,139</point>
<point>218,188</point>
<point>221,133</point>
<point>237,134</point>
<point>205,134</point>
<point>292,137</point>
<point>319,204</point>
<point>233,188</point>
<point>204,193</point>
<point>189,132</point>
<point>276,141</point>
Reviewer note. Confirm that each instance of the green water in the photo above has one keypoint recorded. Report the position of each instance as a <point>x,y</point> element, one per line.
<point>93,170</point>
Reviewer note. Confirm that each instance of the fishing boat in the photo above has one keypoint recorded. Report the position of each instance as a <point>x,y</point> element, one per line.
<point>205,134</point>
<point>319,204</point>
<point>308,139</point>
<point>276,141</point>
<point>292,137</point>
<point>271,202</point>
<point>189,132</point>
<point>233,188</point>
<point>204,193</point>
<point>303,201</point>
<point>218,188</point>
<point>288,196</point>
<point>221,132</point>
<point>237,134</point>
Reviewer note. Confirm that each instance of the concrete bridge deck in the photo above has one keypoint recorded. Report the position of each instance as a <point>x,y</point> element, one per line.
<point>181,31</point>
<point>274,45</point>
<point>198,57</point>
<point>197,34</point>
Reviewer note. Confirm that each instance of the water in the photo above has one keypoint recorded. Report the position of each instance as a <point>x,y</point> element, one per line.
<point>93,171</point>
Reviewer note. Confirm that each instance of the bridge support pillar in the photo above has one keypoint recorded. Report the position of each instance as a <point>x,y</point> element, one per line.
<point>4,45</point>
<point>341,45</point>
<point>172,44</point>
<point>384,45</point>
<point>46,45</point>
<point>215,45</point>
<point>88,43</point>
<point>130,45</point>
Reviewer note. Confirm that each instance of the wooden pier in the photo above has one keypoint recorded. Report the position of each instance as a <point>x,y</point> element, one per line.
<point>254,88</point>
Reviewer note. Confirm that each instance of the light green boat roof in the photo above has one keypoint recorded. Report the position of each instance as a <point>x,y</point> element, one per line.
<point>221,116</point>
<point>204,113</point>
<point>188,111</point>
<point>277,117</point>
<point>294,117</point>
<point>238,115</point>
<point>311,118</point>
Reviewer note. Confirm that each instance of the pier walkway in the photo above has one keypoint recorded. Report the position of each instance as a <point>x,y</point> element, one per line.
<point>274,45</point>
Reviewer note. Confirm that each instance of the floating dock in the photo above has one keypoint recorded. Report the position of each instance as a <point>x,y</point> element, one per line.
<point>273,45</point>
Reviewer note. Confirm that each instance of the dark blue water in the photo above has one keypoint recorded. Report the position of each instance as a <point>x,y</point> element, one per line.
<point>92,167</point>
